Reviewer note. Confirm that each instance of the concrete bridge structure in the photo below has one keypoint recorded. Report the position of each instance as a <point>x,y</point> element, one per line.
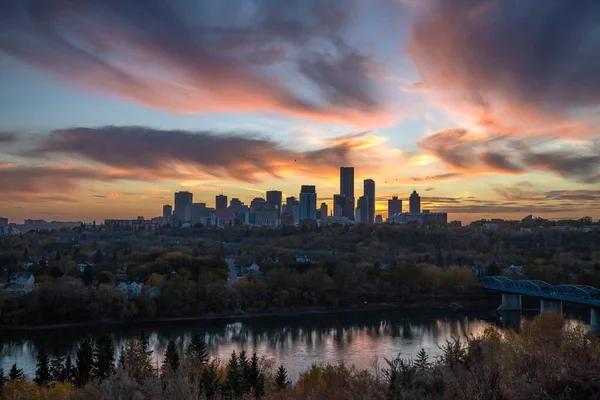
<point>551,296</point>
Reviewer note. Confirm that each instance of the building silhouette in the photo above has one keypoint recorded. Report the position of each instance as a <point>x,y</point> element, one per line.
<point>182,200</point>
<point>369,193</point>
<point>362,210</point>
<point>414,203</point>
<point>292,206</point>
<point>274,198</point>
<point>394,206</point>
<point>347,190</point>
<point>220,202</point>
<point>167,211</point>
<point>339,206</point>
<point>324,210</point>
<point>308,202</point>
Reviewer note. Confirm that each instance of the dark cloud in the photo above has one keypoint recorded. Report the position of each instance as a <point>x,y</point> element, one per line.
<point>474,153</point>
<point>439,177</point>
<point>154,153</point>
<point>531,58</point>
<point>7,137</point>
<point>429,189</point>
<point>197,56</point>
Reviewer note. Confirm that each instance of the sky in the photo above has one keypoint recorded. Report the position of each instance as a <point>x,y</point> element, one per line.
<point>487,108</point>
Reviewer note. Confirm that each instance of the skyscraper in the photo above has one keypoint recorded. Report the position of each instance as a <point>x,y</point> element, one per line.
<point>347,189</point>
<point>308,202</point>
<point>182,199</point>
<point>414,203</point>
<point>362,210</point>
<point>394,206</point>
<point>167,211</point>
<point>369,193</point>
<point>274,198</point>
<point>220,202</point>
<point>292,206</point>
<point>339,205</point>
<point>324,210</point>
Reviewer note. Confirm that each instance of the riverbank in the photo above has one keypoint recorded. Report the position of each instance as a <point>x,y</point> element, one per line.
<point>437,305</point>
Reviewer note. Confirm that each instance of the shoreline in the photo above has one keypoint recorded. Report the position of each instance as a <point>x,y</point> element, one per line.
<point>443,305</point>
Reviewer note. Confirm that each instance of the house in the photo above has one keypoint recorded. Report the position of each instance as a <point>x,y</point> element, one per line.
<point>516,269</point>
<point>253,270</point>
<point>132,289</point>
<point>153,292</point>
<point>121,278</point>
<point>82,267</point>
<point>21,283</point>
<point>303,260</point>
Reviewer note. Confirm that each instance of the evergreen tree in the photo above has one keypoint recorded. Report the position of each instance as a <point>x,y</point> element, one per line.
<point>104,357</point>
<point>16,374</point>
<point>253,374</point>
<point>259,389</point>
<point>122,357</point>
<point>422,361</point>
<point>69,370</point>
<point>281,379</point>
<point>42,372</point>
<point>234,381</point>
<point>171,361</point>
<point>84,362</point>
<point>244,366</point>
<point>3,380</point>
<point>209,382</point>
<point>197,351</point>
<point>57,368</point>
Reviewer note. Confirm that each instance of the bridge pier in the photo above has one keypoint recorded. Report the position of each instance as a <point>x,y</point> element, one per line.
<point>553,306</point>
<point>510,302</point>
<point>595,320</point>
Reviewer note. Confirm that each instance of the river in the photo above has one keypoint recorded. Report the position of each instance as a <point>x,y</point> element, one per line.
<point>297,342</point>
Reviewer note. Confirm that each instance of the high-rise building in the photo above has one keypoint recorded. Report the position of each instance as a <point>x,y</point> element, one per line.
<point>324,210</point>
<point>167,211</point>
<point>182,199</point>
<point>369,193</point>
<point>235,205</point>
<point>394,206</point>
<point>308,202</point>
<point>220,202</point>
<point>274,198</point>
<point>258,204</point>
<point>347,189</point>
<point>378,219</point>
<point>339,205</point>
<point>3,222</point>
<point>414,203</point>
<point>362,210</point>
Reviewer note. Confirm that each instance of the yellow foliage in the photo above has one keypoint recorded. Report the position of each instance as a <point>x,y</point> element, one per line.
<point>16,390</point>
<point>311,381</point>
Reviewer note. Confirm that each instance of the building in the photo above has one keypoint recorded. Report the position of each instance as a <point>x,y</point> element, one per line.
<point>336,220</point>
<point>424,218</point>
<point>378,219</point>
<point>235,205</point>
<point>21,283</point>
<point>167,212</point>
<point>3,222</point>
<point>455,224</point>
<point>414,203</point>
<point>339,205</point>
<point>194,212</point>
<point>369,193</point>
<point>274,198</point>
<point>287,219</point>
<point>362,210</point>
<point>220,202</point>
<point>324,210</point>
<point>394,206</point>
<point>308,202</point>
<point>347,190</point>
<point>182,199</point>
<point>258,204</point>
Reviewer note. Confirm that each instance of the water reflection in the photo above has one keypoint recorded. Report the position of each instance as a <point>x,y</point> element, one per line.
<point>296,341</point>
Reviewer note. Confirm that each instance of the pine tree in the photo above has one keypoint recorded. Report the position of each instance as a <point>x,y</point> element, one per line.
<point>69,371</point>
<point>234,381</point>
<point>57,368</point>
<point>3,380</point>
<point>253,374</point>
<point>16,374</point>
<point>244,366</point>
<point>84,362</point>
<point>197,351</point>
<point>171,360</point>
<point>209,382</point>
<point>42,372</point>
<point>259,389</point>
<point>104,357</point>
<point>422,361</point>
<point>281,379</point>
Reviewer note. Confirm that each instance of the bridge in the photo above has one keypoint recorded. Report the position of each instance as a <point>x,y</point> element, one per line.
<point>552,296</point>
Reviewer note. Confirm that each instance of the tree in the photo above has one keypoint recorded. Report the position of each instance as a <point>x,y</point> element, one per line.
<point>98,258</point>
<point>88,276</point>
<point>136,359</point>
<point>104,357</point>
<point>57,368</point>
<point>281,379</point>
<point>3,380</point>
<point>70,372</point>
<point>209,381</point>
<point>234,381</point>
<point>422,361</point>
<point>42,372</point>
<point>197,350</point>
<point>84,362</point>
<point>16,374</point>
<point>171,361</point>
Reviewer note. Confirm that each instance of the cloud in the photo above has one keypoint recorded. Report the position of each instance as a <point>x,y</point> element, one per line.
<point>524,66</point>
<point>7,138</point>
<point>429,189</point>
<point>202,56</point>
<point>468,152</point>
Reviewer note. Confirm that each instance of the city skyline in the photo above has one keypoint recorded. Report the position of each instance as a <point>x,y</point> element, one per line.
<point>414,95</point>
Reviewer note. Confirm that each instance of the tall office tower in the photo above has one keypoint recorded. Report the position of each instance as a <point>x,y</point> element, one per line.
<point>308,202</point>
<point>167,211</point>
<point>182,199</point>
<point>3,222</point>
<point>339,205</point>
<point>236,205</point>
<point>220,202</point>
<point>347,189</point>
<point>324,209</point>
<point>394,206</point>
<point>414,203</point>
<point>362,210</point>
<point>369,193</point>
<point>274,198</point>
